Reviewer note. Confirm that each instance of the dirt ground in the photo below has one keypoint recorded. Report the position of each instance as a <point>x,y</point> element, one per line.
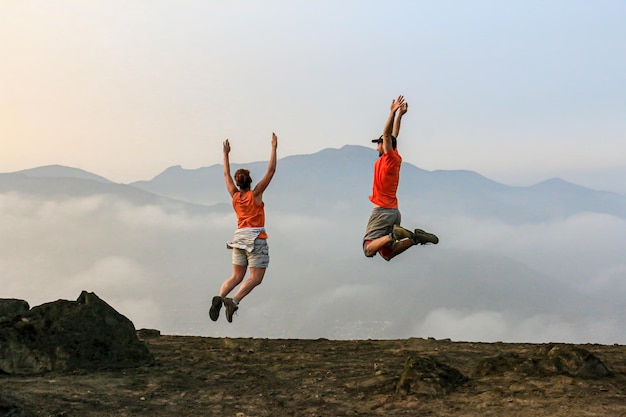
<point>198,376</point>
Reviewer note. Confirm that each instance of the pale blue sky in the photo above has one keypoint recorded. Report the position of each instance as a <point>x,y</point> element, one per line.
<point>519,91</point>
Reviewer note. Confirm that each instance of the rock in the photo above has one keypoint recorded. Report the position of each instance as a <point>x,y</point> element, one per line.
<point>546,360</point>
<point>148,333</point>
<point>500,364</point>
<point>10,307</point>
<point>426,376</point>
<point>572,360</point>
<point>67,335</point>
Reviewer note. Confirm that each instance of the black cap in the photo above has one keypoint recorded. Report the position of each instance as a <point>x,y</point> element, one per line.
<point>394,142</point>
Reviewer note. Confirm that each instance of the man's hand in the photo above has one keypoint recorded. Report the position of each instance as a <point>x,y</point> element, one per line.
<point>404,108</point>
<point>396,104</point>
<point>274,141</point>
<point>226,147</point>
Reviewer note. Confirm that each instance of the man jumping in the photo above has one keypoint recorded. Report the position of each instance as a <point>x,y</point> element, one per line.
<point>384,233</point>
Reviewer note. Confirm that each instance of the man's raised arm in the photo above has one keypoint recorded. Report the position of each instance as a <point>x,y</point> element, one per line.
<point>396,125</point>
<point>387,131</point>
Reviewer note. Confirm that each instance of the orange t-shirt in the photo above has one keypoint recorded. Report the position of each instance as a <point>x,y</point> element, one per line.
<point>386,179</point>
<point>249,213</point>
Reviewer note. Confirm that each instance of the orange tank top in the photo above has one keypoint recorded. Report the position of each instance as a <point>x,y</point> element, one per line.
<point>249,213</point>
<point>386,179</point>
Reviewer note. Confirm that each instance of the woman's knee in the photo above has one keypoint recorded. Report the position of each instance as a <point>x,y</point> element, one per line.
<point>257,274</point>
<point>235,280</point>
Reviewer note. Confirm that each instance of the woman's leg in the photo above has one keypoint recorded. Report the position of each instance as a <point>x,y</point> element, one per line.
<point>239,271</point>
<point>255,278</point>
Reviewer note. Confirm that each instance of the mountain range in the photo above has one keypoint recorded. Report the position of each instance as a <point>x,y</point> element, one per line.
<point>340,178</point>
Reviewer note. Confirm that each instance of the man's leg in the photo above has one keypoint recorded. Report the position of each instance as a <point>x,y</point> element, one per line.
<point>402,240</point>
<point>418,236</point>
<point>397,248</point>
<point>399,240</point>
<point>378,231</point>
<point>375,245</point>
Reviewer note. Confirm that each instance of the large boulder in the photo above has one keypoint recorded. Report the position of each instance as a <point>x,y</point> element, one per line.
<point>67,335</point>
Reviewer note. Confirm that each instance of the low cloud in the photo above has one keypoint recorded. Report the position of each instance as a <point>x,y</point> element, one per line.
<point>160,266</point>
<point>53,249</point>
<point>114,275</point>
<point>493,326</point>
<point>582,249</point>
<point>477,326</point>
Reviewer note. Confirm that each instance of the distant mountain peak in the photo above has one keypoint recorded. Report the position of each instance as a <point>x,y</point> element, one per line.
<point>60,171</point>
<point>558,184</point>
<point>175,168</point>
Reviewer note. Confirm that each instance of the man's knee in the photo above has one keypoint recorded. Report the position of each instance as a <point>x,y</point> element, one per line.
<point>366,251</point>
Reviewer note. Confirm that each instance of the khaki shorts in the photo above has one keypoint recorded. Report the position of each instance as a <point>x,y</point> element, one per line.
<point>380,224</point>
<point>258,258</point>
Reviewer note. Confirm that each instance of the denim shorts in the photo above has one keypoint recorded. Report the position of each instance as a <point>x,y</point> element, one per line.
<point>258,258</point>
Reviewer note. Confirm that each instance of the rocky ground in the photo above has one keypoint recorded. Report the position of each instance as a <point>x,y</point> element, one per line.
<point>196,376</point>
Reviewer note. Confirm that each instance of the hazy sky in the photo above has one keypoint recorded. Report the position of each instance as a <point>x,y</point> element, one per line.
<point>518,91</point>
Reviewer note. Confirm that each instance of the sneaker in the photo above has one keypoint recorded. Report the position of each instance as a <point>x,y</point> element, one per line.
<point>422,237</point>
<point>231,307</point>
<point>216,305</point>
<point>400,233</point>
